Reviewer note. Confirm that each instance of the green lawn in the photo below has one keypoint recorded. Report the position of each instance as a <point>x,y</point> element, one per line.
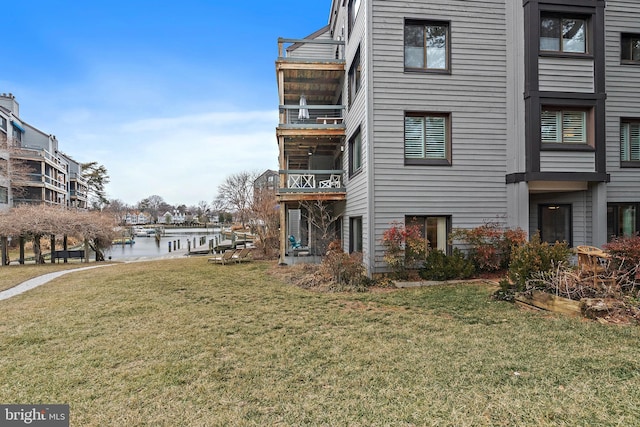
<point>183,343</point>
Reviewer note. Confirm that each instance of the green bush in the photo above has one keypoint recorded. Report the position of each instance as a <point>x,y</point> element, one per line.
<point>535,256</point>
<point>439,266</point>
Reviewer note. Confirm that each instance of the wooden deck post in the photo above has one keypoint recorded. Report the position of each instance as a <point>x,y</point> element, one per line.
<point>283,234</point>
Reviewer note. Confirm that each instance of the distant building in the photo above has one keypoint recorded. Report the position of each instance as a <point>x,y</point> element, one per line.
<point>176,217</point>
<point>267,181</point>
<point>136,218</point>
<point>45,172</point>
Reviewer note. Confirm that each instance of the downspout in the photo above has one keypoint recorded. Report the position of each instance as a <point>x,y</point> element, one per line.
<point>371,240</point>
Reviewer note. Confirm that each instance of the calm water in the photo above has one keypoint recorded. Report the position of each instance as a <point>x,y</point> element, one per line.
<point>147,247</point>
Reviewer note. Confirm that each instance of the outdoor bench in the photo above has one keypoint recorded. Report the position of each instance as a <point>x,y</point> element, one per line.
<point>78,253</point>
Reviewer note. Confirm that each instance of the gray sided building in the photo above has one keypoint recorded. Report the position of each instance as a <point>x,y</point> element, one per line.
<point>452,113</point>
<point>40,173</point>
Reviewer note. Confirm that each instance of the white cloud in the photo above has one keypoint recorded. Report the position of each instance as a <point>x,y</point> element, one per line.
<point>182,158</point>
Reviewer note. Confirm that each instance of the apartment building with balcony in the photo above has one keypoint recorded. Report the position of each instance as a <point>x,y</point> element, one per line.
<point>449,114</point>
<point>45,174</point>
<point>77,186</point>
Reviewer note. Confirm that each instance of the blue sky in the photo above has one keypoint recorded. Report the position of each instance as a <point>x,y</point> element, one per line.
<point>171,97</point>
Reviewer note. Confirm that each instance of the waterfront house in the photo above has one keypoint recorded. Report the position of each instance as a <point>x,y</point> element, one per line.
<point>449,113</point>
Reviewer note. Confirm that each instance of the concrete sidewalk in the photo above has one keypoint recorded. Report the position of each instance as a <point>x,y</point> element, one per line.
<point>41,280</point>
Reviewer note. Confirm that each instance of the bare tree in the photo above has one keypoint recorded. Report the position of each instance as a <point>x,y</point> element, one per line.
<point>236,194</point>
<point>202,211</point>
<point>323,220</point>
<point>266,216</point>
<point>154,205</point>
<point>118,209</point>
<point>15,170</point>
<point>37,221</point>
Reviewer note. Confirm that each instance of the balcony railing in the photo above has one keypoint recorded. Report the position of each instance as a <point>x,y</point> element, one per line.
<point>79,194</point>
<point>78,178</point>
<point>315,116</point>
<point>317,49</point>
<point>40,178</point>
<point>36,152</point>
<point>312,181</point>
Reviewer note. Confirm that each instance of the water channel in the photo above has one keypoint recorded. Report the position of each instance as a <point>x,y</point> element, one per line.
<point>149,248</point>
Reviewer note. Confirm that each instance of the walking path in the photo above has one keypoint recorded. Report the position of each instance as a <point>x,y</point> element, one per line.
<point>41,280</point>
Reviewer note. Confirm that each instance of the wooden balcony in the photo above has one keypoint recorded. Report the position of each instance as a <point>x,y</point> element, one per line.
<point>310,67</point>
<point>300,185</point>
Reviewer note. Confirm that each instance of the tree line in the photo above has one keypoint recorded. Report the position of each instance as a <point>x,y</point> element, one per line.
<point>94,229</point>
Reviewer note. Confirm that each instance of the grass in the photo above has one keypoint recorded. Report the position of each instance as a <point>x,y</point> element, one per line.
<point>15,274</point>
<point>183,343</point>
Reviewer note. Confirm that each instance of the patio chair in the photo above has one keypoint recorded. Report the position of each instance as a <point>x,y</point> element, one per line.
<point>223,258</point>
<point>593,262</point>
<point>242,255</point>
<point>332,182</point>
<point>294,244</point>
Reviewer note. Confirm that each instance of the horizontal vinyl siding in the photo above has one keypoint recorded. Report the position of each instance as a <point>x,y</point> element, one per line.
<point>566,75</point>
<point>567,161</point>
<point>623,98</point>
<point>357,195</point>
<point>315,51</point>
<point>472,190</point>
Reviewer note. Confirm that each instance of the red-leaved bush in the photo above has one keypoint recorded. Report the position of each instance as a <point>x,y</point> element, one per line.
<point>625,252</point>
<point>405,247</point>
<point>490,244</point>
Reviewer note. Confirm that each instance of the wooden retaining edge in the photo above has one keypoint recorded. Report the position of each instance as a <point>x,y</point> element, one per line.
<point>545,301</point>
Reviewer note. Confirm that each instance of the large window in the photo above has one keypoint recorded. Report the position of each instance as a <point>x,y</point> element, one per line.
<point>355,153</point>
<point>426,46</point>
<point>435,230</point>
<point>560,126</point>
<point>355,77</point>
<point>427,138</point>
<point>554,222</point>
<point>352,11</point>
<point>630,143</point>
<point>622,219</point>
<point>630,48</point>
<point>567,34</point>
<point>355,234</point>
